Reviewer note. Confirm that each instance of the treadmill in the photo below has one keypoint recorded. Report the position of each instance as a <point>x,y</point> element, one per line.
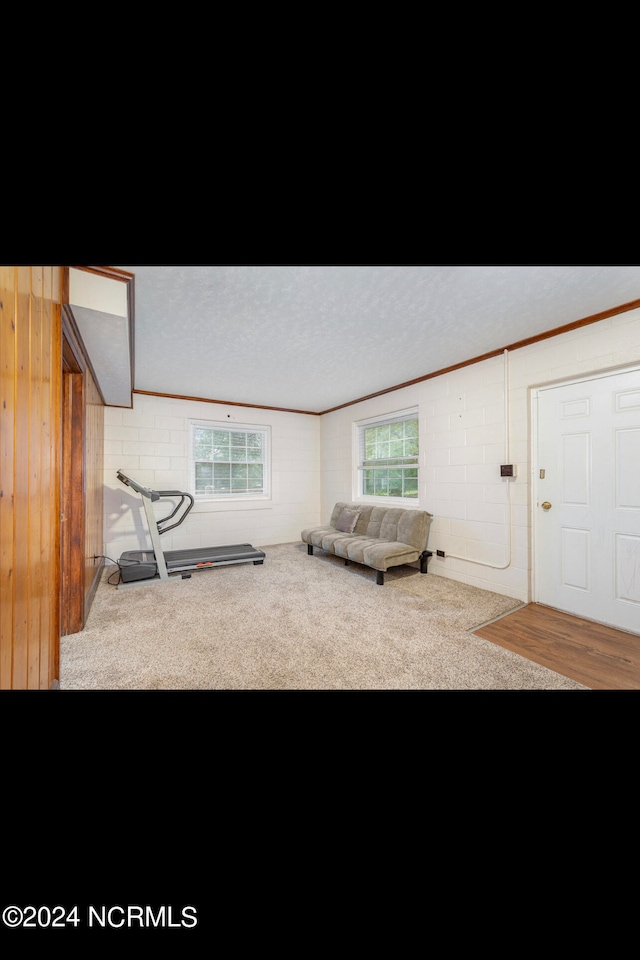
<point>156,566</point>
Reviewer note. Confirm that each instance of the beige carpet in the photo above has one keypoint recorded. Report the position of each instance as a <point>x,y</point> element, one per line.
<point>296,623</point>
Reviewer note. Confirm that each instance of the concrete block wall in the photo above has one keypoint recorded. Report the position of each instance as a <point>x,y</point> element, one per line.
<point>471,421</point>
<point>150,443</point>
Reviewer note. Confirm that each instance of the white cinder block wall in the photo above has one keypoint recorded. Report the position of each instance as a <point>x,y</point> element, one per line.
<point>150,443</point>
<point>463,441</point>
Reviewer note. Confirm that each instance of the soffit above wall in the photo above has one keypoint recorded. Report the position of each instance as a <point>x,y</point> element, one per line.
<point>101,306</point>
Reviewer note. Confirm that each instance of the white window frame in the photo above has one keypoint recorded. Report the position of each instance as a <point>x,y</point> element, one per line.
<point>233,497</point>
<point>359,426</point>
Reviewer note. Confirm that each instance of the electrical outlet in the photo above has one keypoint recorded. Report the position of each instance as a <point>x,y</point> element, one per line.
<point>439,553</point>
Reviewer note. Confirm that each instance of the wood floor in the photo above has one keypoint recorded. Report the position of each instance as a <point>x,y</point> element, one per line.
<point>600,657</point>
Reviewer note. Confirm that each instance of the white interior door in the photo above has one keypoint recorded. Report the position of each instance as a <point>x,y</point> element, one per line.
<point>587,499</point>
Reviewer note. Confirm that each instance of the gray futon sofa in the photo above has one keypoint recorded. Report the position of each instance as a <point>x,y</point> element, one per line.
<point>379,537</point>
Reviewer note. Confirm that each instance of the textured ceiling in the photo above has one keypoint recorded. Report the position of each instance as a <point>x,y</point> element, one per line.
<point>314,337</point>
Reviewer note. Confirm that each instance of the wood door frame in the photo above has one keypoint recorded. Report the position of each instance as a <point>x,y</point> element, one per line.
<point>72,478</point>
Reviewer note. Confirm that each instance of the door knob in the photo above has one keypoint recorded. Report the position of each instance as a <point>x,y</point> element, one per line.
<point>546,505</point>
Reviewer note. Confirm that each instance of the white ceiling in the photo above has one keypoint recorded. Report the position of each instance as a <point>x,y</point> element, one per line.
<point>314,337</point>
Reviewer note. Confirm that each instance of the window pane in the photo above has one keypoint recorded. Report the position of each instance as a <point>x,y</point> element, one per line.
<point>221,477</point>
<point>204,476</point>
<point>203,444</point>
<point>411,448</point>
<point>381,484</point>
<point>391,452</point>
<point>411,482</point>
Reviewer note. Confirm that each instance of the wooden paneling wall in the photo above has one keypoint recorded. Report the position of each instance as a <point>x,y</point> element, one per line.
<point>82,481</point>
<point>94,489</point>
<point>31,443</point>
<point>30,423</point>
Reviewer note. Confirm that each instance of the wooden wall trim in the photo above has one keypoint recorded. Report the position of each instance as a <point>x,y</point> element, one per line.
<point>94,583</point>
<point>73,352</point>
<point>226,403</point>
<point>82,485</point>
<point>94,492</point>
<point>74,344</point>
<point>73,511</point>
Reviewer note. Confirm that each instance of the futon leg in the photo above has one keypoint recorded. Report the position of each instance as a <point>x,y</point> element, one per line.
<point>424,560</point>
<point>310,549</point>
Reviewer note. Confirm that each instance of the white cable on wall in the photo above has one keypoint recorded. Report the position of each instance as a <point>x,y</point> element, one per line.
<point>499,566</point>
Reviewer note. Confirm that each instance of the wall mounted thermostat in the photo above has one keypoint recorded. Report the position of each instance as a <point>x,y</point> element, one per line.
<point>507,470</point>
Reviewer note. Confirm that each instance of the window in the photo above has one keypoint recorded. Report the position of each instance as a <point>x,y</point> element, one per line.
<point>388,449</point>
<point>229,462</point>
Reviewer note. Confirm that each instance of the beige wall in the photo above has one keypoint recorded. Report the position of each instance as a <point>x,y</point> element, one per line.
<point>463,442</point>
<point>463,436</point>
<point>150,443</point>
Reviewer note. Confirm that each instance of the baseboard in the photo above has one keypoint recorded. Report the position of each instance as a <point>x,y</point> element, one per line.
<point>93,586</point>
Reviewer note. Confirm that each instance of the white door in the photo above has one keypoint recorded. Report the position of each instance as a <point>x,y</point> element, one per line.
<point>587,499</point>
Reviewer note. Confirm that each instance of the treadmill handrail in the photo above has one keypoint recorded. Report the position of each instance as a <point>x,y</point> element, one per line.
<point>155,495</point>
<point>183,496</point>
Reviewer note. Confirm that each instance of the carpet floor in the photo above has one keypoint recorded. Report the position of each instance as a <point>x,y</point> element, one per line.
<point>296,623</point>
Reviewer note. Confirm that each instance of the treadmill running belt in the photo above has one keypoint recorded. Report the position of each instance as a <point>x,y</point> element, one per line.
<point>207,555</point>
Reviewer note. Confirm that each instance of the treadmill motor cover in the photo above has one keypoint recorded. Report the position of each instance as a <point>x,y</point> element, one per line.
<point>137,565</point>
